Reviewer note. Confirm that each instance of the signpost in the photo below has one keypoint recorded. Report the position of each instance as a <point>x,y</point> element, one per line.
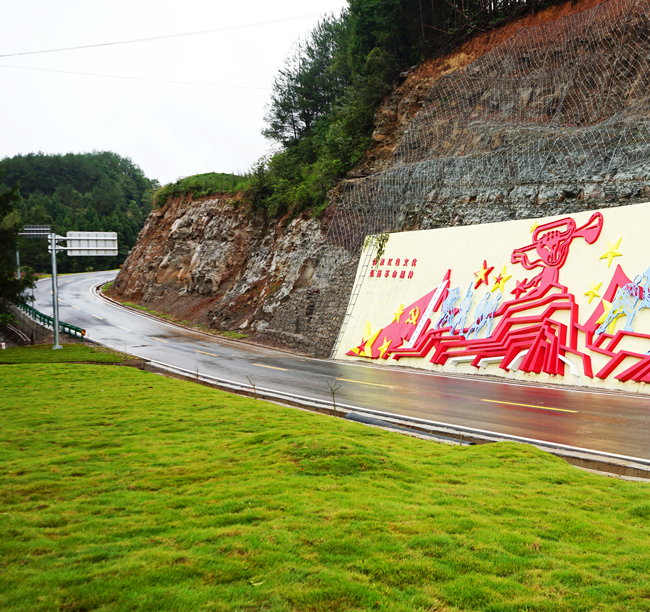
<point>79,244</point>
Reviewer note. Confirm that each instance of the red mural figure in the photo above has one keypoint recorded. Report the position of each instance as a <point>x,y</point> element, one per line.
<point>538,330</point>
<point>552,246</point>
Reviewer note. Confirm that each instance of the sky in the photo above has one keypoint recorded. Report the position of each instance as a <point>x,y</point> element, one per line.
<point>170,130</point>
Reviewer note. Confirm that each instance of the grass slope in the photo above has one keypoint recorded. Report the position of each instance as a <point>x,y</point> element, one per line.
<point>122,490</point>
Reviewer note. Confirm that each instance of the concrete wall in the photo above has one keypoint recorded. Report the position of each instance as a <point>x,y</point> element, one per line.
<point>540,313</point>
<point>34,330</point>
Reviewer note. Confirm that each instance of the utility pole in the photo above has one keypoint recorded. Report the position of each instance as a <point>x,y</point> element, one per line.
<point>17,263</point>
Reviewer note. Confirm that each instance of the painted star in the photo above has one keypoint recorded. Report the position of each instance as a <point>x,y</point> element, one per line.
<point>398,313</point>
<point>483,275</point>
<point>500,280</point>
<point>384,347</point>
<point>593,291</point>
<point>607,306</point>
<point>519,289</point>
<point>534,226</point>
<point>611,252</point>
<point>367,350</point>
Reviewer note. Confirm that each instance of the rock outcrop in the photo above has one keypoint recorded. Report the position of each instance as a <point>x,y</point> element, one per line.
<point>211,263</point>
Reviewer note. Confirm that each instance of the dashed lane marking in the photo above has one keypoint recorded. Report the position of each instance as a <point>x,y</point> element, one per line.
<point>361,382</point>
<point>204,353</point>
<point>260,365</point>
<point>96,317</point>
<point>527,406</point>
<point>124,328</point>
<point>159,340</point>
<point>71,306</point>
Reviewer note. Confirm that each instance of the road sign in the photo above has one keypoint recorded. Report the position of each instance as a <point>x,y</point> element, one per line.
<point>78,244</point>
<point>88,244</point>
<point>91,243</point>
<point>35,231</point>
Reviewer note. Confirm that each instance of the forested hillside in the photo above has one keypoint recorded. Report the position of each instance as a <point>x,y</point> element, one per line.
<point>98,191</point>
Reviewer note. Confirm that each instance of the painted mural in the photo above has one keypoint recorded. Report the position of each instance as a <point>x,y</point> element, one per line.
<point>568,304</point>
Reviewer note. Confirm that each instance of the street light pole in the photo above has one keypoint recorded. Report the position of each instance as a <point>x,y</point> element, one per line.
<point>55,293</point>
<point>17,263</point>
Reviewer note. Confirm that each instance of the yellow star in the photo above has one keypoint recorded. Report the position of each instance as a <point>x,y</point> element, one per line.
<point>367,348</point>
<point>367,332</point>
<point>384,347</point>
<point>593,291</point>
<point>500,280</point>
<point>534,226</point>
<point>398,313</point>
<point>611,252</point>
<point>607,306</point>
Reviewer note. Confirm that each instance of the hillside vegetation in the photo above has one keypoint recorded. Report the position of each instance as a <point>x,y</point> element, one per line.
<point>321,113</point>
<point>98,191</point>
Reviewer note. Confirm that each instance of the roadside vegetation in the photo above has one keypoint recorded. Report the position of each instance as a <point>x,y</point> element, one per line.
<point>124,490</point>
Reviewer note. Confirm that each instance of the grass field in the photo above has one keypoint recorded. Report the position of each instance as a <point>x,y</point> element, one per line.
<point>123,490</point>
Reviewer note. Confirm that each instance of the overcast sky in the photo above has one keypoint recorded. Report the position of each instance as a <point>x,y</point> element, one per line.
<point>169,130</point>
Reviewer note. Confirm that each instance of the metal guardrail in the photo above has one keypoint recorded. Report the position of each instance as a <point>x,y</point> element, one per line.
<point>66,328</point>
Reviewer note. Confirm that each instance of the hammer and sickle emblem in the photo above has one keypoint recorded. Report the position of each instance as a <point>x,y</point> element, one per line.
<point>414,314</point>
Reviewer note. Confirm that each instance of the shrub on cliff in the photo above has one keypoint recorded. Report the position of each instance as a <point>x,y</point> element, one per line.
<point>198,185</point>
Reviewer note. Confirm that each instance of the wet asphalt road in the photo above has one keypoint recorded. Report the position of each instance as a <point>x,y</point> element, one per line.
<point>608,422</point>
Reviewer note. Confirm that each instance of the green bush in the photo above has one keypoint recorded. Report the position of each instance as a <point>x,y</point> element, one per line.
<point>199,185</point>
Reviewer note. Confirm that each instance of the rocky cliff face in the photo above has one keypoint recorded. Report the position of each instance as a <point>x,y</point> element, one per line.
<point>207,262</point>
<point>497,130</point>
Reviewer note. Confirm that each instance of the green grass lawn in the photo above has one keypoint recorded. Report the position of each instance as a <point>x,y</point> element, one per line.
<point>43,353</point>
<point>123,490</point>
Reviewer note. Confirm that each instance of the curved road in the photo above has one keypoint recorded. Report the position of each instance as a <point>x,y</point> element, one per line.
<point>606,422</point>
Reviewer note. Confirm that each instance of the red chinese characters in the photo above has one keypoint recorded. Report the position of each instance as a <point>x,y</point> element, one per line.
<point>380,267</point>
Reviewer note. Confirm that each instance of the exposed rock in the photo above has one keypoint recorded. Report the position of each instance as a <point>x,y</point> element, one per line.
<point>204,261</point>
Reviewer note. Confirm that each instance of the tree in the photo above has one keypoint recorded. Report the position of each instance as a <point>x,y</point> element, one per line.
<point>312,79</point>
<point>11,288</point>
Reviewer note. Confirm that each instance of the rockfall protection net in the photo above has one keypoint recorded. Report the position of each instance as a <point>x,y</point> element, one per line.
<point>564,103</point>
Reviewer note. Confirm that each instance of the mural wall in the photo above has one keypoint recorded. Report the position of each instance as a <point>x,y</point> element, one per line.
<point>558,299</point>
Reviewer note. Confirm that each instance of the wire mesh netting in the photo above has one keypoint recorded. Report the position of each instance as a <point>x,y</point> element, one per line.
<point>561,104</point>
